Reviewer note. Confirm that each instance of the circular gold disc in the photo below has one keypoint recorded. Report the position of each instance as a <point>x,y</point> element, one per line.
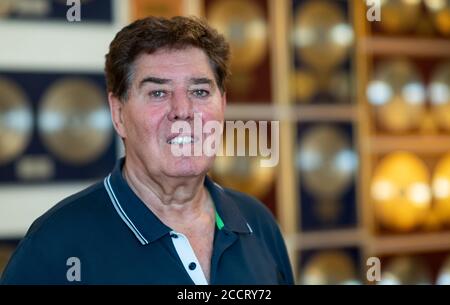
<point>16,121</point>
<point>326,160</point>
<point>329,268</point>
<point>400,191</point>
<point>322,36</point>
<point>74,121</point>
<point>243,25</point>
<point>439,93</point>
<point>398,94</point>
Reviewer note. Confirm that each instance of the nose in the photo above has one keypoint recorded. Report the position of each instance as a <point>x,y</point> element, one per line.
<point>181,108</point>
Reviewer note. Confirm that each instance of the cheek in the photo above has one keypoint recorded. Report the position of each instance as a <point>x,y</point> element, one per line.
<point>142,124</point>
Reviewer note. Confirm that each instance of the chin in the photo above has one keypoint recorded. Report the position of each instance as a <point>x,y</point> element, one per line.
<point>188,167</point>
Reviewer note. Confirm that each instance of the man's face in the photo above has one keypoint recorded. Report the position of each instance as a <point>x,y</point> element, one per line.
<point>168,86</point>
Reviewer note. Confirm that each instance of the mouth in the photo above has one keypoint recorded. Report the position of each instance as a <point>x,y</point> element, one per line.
<point>179,140</point>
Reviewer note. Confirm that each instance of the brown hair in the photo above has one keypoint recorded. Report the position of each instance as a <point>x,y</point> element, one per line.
<point>150,34</point>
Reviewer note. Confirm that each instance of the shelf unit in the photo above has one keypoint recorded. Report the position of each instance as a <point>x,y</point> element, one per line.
<point>371,144</point>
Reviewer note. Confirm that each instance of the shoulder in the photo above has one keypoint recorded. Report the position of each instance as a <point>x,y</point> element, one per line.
<point>75,211</point>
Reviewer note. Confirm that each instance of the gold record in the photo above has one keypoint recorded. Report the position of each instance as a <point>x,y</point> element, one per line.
<point>322,36</point>
<point>326,160</point>
<point>329,268</point>
<point>440,13</point>
<point>444,273</point>
<point>439,93</point>
<point>243,24</point>
<point>405,270</point>
<point>74,121</point>
<point>398,94</point>
<point>16,121</point>
<point>399,16</point>
<point>400,191</point>
<point>441,189</point>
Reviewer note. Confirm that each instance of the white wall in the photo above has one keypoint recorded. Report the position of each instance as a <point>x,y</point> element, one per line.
<point>34,46</point>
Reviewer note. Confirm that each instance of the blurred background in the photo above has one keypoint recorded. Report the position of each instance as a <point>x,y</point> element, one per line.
<point>361,91</point>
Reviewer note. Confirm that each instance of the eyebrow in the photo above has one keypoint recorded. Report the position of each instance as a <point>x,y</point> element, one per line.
<point>201,80</point>
<point>155,80</point>
<point>162,81</point>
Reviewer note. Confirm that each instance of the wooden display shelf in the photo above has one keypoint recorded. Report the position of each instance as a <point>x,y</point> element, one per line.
<point>405,46</point>
<point>410,243</point>
<point>421,144</point>
<point>325,239</point>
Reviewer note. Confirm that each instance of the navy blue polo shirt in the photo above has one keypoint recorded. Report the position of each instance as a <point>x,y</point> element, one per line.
<point>111,237</point>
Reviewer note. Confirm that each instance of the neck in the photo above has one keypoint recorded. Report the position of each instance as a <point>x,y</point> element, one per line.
<point>172,199</point>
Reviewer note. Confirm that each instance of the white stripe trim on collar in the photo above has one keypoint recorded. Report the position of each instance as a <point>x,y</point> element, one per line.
<point>121,212</point>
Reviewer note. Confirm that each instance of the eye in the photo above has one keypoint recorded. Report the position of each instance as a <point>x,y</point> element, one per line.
<point>158,93</point>
<point>200,93</point>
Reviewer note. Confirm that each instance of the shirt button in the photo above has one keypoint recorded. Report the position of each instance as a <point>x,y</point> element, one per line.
<point>192,266</point>
<point>173,235</point>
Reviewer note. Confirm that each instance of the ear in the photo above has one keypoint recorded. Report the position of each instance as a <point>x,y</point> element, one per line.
<point>117,108</point>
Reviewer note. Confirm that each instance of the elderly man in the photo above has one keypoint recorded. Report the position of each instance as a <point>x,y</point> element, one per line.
<point>157,218</point>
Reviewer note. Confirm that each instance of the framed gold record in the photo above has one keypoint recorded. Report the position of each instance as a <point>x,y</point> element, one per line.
<point>243,24</point>
<point>321,35</point>
<point>330,267</point>
<point>400,191</point>
<point>16,121</point>
<point>74,121</point>
<point>397,93</point>
<point>326,160</point>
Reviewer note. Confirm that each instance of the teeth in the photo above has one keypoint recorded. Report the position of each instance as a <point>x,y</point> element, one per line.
<point>182,140</point>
